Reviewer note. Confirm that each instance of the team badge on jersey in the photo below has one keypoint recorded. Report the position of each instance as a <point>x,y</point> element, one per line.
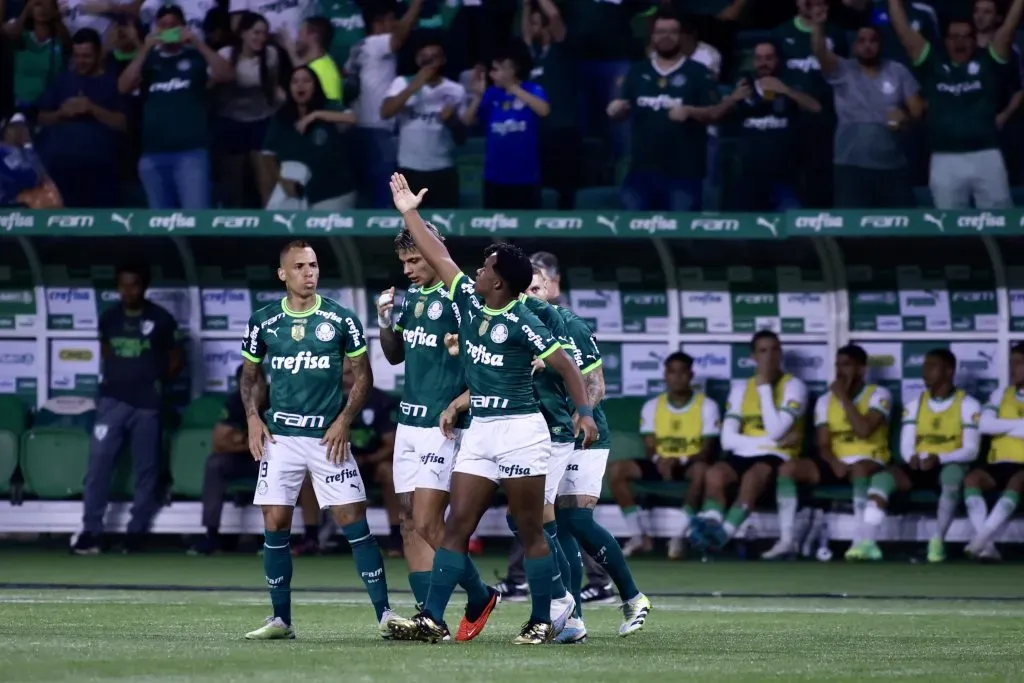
<point>368,415</point>
<point>418,311</point>
<point>662,82</point>
<point>483,326</point>
<point>325,332</point>
<point>299,331</point>
<point>499,334</point>
<point>147,327</point>
<point>434,310</point>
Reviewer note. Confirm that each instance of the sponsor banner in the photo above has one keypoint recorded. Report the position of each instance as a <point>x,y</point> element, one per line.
<point>71,308</point>
<point>20,367</point>
<point>522,224</point>
<point>17,309</point>
<point>74,367</point>
<point>221,358</point>
<point>898,365</point>
<point>618,300</point>
<point>955,298</point>
<point>785,299</point>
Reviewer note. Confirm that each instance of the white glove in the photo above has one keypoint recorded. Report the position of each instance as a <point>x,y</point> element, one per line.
<point>385,306</point>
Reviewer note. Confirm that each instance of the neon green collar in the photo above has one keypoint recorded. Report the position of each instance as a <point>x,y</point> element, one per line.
<point>303,314</point>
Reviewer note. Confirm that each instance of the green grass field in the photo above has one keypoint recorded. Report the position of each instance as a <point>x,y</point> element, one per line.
<point>166,617</point>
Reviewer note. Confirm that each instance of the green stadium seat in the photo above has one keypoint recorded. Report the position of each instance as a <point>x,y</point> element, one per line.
<point>472,147</point>
<point>8,459</point>
<point>626,446</point>
<point>204,412</point>
<point>13,415</point>
<point>54,462</point>
<point>599,199</point>
<point>189,450</point>
<point>548,199</point>
<point>624,413</point>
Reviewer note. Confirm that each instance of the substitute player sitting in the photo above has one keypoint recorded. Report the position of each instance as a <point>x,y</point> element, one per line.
<point>304,340</point>
<point>763,429</point>
<point>852,422</point>
<point>507,440</point>
<point>680,429</point>
<point>1003,420</point>
<point>424,456</point>
<point>939,438</point>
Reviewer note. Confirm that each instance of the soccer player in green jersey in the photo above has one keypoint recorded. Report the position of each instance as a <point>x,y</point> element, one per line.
<point>507,440</point>
<point>579,487</point>
<point>424,455</point>
<point>304,340</point>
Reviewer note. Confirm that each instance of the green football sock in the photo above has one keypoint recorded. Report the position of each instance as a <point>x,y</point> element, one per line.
<point>448,569</point>
<point>277,567</point>
<point>603,547</point>
<point>786,501</point>
<point>571,552</point>
<point>369,563</point>
<point>540,572</point>
<point>561,564</point>
<point>478,593</point>
<point>419,582</point>
<point>734,518</point>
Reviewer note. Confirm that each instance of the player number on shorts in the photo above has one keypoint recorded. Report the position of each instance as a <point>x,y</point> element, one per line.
<point>264,466</point>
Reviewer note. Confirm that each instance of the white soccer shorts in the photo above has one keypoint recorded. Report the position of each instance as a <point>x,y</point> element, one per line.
<point>284,466</point>
<point>561,453</point>
<point>584,473</point>
<point>424,458</point>
<point>507,447</point>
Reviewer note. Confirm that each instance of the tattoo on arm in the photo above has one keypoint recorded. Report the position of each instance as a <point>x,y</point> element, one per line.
<point>251,387</point>
<point>594,382</point>
<point>360,387</point>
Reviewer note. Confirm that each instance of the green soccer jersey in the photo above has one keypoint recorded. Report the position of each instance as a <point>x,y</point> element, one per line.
<point>433,377</point>
<point>554,399</point>
<point>349,27</point>
<point>587,354</point>
<point>176,112</point>
<point>793,39</point>
<point>304,354</point>
<point>497,348</point>
<point>661,145</point>
<point>554,69</point>
<point>323,149</point>
<point>962,99</point>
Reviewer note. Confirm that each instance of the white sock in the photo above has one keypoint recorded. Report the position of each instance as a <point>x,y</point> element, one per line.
<point>859,503</point>
<point>713,515</point>
<point>1001,512</point>
<point>977,512</point>
<point>874,515</point>
<point>633,524</point>
<point>685,526</point>
<point>787,518</point>
<point>948,500</point>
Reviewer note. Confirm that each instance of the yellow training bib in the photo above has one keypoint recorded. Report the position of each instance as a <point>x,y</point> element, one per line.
<point>1006,448</point>
<point>939,432</point>
<point>845,443</point>
<point>752,424</point>
<point>679,434</point>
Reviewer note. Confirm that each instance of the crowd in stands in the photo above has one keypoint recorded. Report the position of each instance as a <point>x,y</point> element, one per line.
<point>512,104</point>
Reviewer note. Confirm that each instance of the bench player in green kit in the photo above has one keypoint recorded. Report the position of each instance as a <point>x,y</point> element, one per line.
<point>507,441</point>
<point>304,340</point>
<point>424,456</point>
<point>579,487</point>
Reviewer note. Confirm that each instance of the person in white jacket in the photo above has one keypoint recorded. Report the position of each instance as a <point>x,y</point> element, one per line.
<point>1003,420</point>
<point>939,439</point>
<point>763,428</point>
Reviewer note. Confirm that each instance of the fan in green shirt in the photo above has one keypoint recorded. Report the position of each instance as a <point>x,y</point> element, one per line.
<point>40,41</point>
<point>961,85</point>
<point>670,100</point>
<point>307,147</point>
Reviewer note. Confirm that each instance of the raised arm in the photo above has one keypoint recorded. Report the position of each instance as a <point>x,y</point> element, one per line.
<point>1002,41</point>
<point>555,22</point>
<point>910,39</point>
<point>432,249</point>
<point>405,26</point>
<point>819,46</point>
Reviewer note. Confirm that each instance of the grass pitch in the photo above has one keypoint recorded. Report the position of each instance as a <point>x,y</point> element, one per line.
<point>166,617</point>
